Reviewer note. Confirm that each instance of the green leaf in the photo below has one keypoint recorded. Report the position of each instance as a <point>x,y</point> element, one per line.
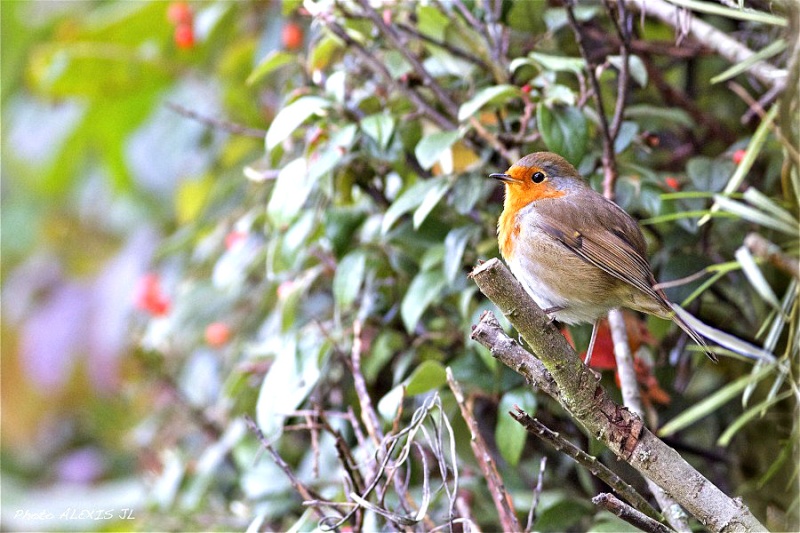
<point>454,246</point>
<point>429,201</point>
<point>509,434</point>
<point>408,200</point>
<point>191,197</point>
<point>557,63</point>
<point>662,116</point>
<point>743,66</point>
<point>755,215</point>
<point>747,416</point>
<point>636,68</point>
<point>432,22</point>
<point>708,174</point>
<point>627,132</point>
<point>481,98</point>
<point>756,277</point>
<point>289,380</point>
<point>564,131</point>
<point>431,147</point>
<point>292,187</point>
<point>348,278</point>
<point>740,14</point>
<point>273,61</point>
<point>423,290</point>
<point>378,127</point>
<point>430,375</point>
<point>290,117</point>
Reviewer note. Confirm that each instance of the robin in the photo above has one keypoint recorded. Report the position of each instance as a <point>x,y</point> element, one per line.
<point>576,253</point>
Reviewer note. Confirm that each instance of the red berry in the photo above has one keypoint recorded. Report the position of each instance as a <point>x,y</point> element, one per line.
<point>184,36</point>
<point>527,88</point>
<point>217,334</point>
<point>179,13</point>
<point>149,296</point>
<point>233,238</point>
<point>672,183</point>
<point>292,36</point>
<point>737,156</point>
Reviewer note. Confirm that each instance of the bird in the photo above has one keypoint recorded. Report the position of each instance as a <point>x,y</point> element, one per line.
<point>576,253</point>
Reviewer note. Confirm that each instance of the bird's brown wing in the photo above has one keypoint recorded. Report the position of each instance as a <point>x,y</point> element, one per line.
<point>613,244</point>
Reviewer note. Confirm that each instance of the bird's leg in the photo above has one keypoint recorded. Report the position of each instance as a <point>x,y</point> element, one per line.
<point>591,343</point>
<point>550,311</point>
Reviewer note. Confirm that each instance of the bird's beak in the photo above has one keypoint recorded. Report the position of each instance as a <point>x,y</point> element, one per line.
<point>506,178</point>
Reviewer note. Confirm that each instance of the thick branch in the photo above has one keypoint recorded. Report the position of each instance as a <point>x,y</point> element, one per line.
<point>717,40</point>
<point>620,430</point>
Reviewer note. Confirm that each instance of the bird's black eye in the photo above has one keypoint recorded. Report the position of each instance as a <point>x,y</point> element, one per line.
<point>538,177</point>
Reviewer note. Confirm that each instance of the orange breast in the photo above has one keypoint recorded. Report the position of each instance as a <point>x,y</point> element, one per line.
<point>507,233</point>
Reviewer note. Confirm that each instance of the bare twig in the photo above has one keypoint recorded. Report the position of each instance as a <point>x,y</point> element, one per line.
<point>601,471</point>
<point>368,414</point>
<point>397,41</point>
<point>500,496</point>
<point>629,514</point>
<point>379,68</point>
<point>224,125</point>
<point>609,162</point>
<point>305,492</point>
<point>537,493</point>
<point>458,52</point>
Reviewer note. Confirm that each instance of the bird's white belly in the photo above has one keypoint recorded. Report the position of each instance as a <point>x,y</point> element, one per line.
<point>533,275</point>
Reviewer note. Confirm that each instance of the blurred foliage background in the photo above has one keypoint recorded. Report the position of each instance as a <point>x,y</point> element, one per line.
<point>213,210</point>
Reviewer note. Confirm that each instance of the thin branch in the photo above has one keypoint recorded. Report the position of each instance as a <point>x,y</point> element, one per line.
<point>379,68</point>
<point>629,514</point>
<point>368,414</point>
<point>602,472</point>
<point>609,162</point>
<point>308,494</point>
<point>219,124</point>
<point>401,46</point>
<point>537,493</point>
<point>454,50</point>
<point>500,496</point>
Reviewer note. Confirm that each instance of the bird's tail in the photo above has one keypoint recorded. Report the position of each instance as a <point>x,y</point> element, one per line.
<point>697,329</point>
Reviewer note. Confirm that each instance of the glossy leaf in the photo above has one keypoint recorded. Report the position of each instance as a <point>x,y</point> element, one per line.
<point>290,117</point>
<point>495,93</point>
<point>425,288</point>
<point>509,434</point>
<point>348,278</point>
<point>432,147</point>
<point>564,131</point>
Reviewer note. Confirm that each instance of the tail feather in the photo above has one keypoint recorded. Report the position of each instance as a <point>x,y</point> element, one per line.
<point>694,327</point>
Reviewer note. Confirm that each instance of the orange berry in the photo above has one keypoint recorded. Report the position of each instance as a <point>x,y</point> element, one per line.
<point>737,156</point>
<point>292,36</point>
<point>217,334</point>
<point>179,13</point>
<point>184,36</point>
<point>672,183</point>
<point>149,296</point>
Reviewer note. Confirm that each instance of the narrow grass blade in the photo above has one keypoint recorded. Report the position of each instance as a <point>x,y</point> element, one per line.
<point>712,403</point>
<point>747,416</point>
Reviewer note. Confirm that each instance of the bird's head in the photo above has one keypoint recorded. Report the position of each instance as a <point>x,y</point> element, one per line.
<point>538,176</point>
